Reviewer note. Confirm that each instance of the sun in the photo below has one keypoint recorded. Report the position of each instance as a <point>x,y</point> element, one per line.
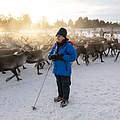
<point>35,8</point>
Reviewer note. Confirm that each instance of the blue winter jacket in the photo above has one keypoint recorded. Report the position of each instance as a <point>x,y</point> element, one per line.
<point>63,67</point>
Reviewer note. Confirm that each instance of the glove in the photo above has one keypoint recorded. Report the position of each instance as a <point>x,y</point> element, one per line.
<point>55,57</point>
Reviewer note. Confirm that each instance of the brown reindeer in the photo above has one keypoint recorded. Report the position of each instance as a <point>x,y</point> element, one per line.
<point>12,62</point>
<point>8,51</point>
<point>99,49</point>
<point>35,57</point>
<point>111,47</point>
<point>81,50</point>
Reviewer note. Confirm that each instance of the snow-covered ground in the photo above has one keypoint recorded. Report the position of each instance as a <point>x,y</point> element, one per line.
<point>95,94</point>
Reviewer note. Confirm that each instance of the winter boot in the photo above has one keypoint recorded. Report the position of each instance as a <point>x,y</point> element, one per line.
<point>57,99</point>
<point>64,103</point>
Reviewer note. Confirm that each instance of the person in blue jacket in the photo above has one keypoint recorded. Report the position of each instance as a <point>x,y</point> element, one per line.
<point>62,55</point>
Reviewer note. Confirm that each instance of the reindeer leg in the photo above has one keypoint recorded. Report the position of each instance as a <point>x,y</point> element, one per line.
<point>18,70</point>
<point>95,57</point>
<point>105,54</point>
<point>87,59</point>
<point>77,62</point>
<point>112,52</point>
<point>101,57</point>
<point>41,64</point>
<point>47,62</point>
<point>38,70</point>
<point>117,56</point>
<point>83,57</point>
<point>108,52</point>
<point>15,73</point>
<point>9,78</point>
<point>87,62</point>
<point>24,67</point>
<point>44,64</point>
<point>116,50</point>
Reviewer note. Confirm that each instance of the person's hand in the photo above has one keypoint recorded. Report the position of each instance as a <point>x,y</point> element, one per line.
<point>55,57</point>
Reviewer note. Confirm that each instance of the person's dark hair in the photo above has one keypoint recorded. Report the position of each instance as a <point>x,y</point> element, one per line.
<point>63,32</point>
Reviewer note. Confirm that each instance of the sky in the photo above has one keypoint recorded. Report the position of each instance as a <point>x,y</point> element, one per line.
<point>107,10</point>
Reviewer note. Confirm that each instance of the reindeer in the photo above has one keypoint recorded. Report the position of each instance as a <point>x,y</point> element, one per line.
<point>111,43</point>
<point>81,50</point>
<point>10,52</point>
<point>35,57</point>
<point>12,62</point>
<point>99,48</point>
<point>94,48</point>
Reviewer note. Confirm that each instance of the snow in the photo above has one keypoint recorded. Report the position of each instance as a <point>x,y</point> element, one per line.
<point>95,94</point>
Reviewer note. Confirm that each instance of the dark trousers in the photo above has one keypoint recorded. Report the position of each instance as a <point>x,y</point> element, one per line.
<point>63,83</point>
